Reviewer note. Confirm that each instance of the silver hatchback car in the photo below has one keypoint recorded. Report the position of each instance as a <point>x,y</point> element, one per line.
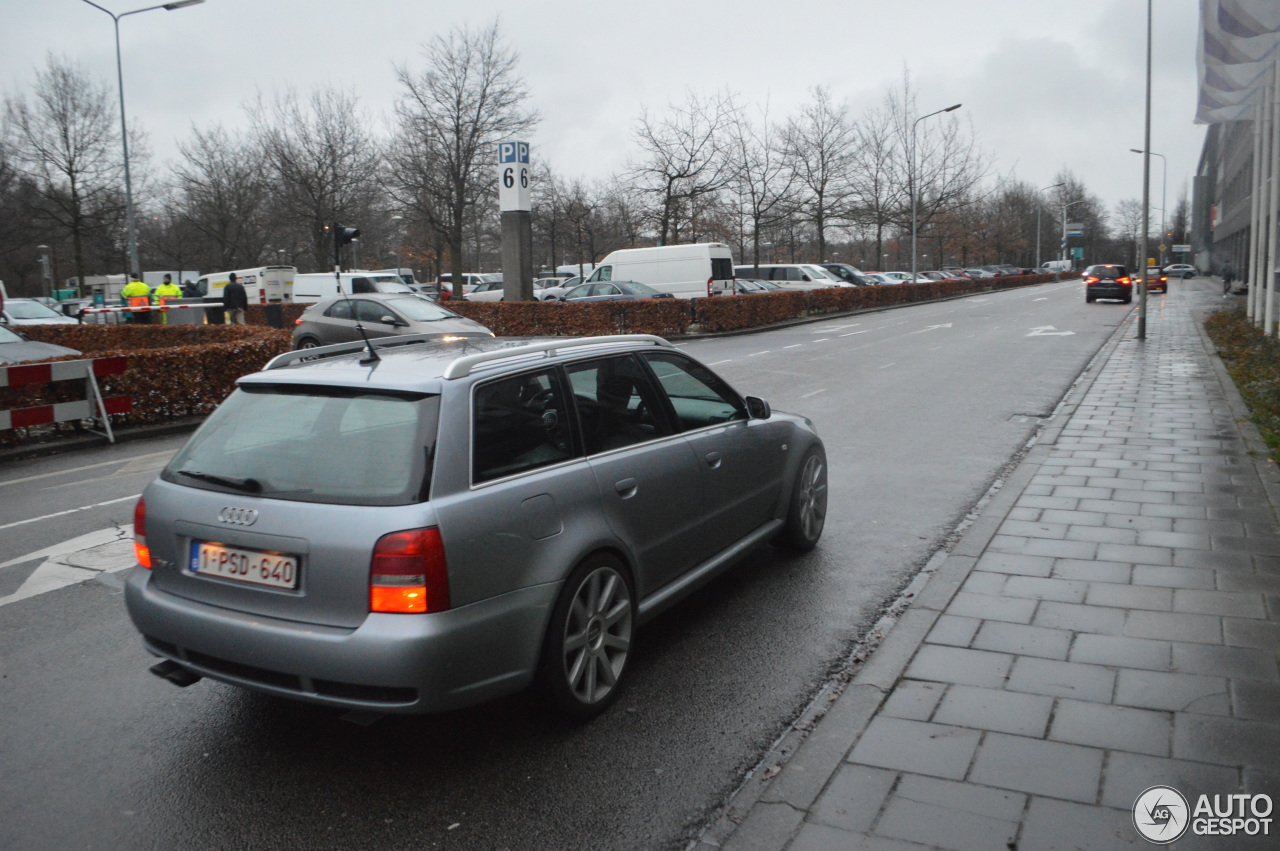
<point>448,522</point>
<point>335,319</point>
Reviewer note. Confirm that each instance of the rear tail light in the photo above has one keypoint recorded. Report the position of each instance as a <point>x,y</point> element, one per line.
<point>408,573</point>
<point>1091,280</point>
<point>1123,281</point>
<point>140,549</point>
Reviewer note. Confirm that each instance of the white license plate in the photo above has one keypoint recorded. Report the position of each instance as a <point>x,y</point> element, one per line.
<point>272,569</point>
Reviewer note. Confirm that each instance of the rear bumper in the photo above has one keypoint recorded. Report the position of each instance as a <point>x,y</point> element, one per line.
<point>402,664</point>
<point>1109,290</point>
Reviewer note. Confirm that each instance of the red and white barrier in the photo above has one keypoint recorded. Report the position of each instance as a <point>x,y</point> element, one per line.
<point>143,308</point>
<point>92,406</point>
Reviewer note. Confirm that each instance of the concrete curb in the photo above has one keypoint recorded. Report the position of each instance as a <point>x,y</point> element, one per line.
<point>770,805</point>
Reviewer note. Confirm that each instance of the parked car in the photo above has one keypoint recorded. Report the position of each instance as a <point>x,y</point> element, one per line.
<point>938,275</point>
<point>881,278</point>
<point>792,276</point>
<point>334,319</point>
<point>613,291</point>
<point>460,521</point>
<point>470,280</point>
<point>553,291</point>
<point>848,274</point>
<point>1107,280</point>
<point>695,270</point>
<point>27,311</point>
<point>16,348</point>
<point>487,291</point>
<point>1182,270</point>
<point>979,273</point>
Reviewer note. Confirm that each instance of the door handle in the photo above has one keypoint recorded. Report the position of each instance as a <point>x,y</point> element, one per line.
<point>714,459</point>
<point>626,488</point>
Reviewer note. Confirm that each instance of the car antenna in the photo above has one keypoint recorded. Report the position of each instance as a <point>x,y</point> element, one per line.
<point>341,236</point>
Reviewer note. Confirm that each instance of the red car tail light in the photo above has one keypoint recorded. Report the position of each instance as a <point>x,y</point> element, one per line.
<point>1091,280</point>
<point>408,573</point>
<point>140,549</point>
<point>1124,281</point>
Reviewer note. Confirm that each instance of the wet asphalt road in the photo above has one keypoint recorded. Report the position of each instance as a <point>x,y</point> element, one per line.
<point>920,408</point>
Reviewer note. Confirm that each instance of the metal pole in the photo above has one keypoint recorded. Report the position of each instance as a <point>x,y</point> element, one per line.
<point>1039,210</point>
<point>1255,200</point>
<point>1273,259</point>
<point>1264,204</point>
<point>135,268</point>
<point>911,182</point>
<point>1146,190</point>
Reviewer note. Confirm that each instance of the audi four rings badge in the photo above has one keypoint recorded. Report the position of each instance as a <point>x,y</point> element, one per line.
<point>238,516</point>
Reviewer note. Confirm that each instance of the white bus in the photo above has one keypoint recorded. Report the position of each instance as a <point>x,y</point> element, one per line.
<point>686,271</point>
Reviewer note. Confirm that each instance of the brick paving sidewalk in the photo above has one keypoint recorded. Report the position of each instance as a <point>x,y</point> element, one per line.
<point>1110,623</point>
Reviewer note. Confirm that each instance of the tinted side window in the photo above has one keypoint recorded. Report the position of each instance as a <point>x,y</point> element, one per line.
<point>519,423</point>
<point>617,406</point>
<point>339,310</point>
<point>698,396</point>
<point>371,311</point>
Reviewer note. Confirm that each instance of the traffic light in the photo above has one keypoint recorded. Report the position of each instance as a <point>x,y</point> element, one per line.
<point>342,234</point>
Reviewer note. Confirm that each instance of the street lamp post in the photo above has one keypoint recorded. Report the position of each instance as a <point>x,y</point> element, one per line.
<point>1039,208</point>
<point>912,181</point>
<point>399,239</point>
<point>135,268</point>
<point>1164,187</point>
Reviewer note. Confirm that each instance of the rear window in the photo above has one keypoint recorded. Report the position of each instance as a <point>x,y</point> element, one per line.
<point>330,445</point>
<point>721,268</point>
<point>421,309</point>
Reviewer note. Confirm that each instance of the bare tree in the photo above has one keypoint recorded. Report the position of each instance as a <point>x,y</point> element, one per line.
<point>822,146</point>
<point>451,114</point>
<point>66,142</point>
<point>222,192</point>
<point>322,161</point>
<point>682,158</point>
<point>875,195</point>
<point>1128,218</point>
<point>762,180</point>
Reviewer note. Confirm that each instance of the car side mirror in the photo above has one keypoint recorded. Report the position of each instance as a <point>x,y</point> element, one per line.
<point>758,409</point>
<point>391,320</point>
<point>805,278</point>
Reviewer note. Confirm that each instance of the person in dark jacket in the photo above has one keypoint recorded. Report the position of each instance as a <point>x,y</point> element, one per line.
<point>234,300</point>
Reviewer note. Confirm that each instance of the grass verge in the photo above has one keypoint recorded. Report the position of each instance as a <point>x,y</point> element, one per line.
<point>1253,361</point>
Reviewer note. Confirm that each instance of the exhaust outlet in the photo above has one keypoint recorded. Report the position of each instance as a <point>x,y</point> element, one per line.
<point>175,673</point>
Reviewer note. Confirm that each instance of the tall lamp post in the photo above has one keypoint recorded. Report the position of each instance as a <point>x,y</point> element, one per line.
<point>135,268</point>
<point>1164,186</point>
<point>912,180</point>
<point>1039,209</point>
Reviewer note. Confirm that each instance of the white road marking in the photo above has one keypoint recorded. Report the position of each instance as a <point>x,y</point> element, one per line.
<point>886,366</point>
<point>794,346</point>
<point>823,340</point>
<point>932,328</point>
<point>75,561</point>
<point>814,393</point>
<point>753,354</point>
<point>1049,331</point>
<point>851,333</point>
<point>1043,298</point>
<point>68,511</point>
<point>835,328</point>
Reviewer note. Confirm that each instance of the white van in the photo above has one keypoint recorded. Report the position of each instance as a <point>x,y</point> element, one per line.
<point>263,284</point>
<point>687,271</point>
<point>1056,266</point>
<point>313,286</point>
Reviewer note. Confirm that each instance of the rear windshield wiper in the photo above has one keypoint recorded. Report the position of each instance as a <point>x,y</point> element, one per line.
<point>246,485</point>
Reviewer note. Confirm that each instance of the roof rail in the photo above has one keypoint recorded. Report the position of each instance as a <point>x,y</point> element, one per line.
<point>462,367</point>
<point>336,349</point>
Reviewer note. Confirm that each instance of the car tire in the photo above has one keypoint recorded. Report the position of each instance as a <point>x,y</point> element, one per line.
<point>1088,299</point>
<point>807,510</point>
<point>1128,299</point>
<point>590,638</point>
<point>307,343</point>
<point>1186,276</point>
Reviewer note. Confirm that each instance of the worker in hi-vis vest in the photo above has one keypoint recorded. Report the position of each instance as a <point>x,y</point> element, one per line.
<point>163,293</point>
<point>137,296</point>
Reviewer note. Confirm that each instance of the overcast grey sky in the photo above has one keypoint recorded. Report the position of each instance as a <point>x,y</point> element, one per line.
<point>1047,84</point>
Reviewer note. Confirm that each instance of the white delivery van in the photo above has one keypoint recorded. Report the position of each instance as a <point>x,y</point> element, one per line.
<point>1056,266</point>
<point>313,286</point>
<point>263,284</point>
<point>686,271</point>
